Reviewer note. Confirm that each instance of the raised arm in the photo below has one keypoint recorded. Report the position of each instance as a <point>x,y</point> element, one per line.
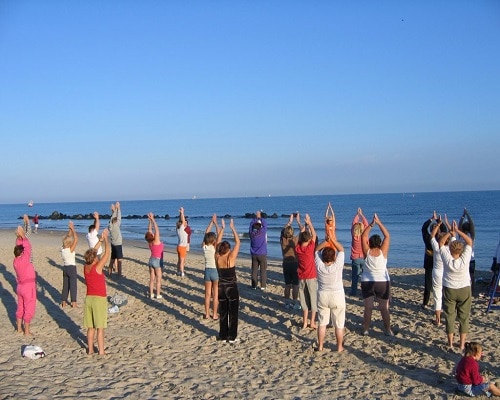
<point>301,227</point>
<point>355,220</point>
<point>150,223</point>
<point>472,228</point>
<point>22,238</point>
<point>118,212</point>
<point>309,223</point>
<point>466,238</point>
<point>333,241</point>
<point>236,247</point>
<point>220,232</point>
<point>364,239</point>
<point>72,232</point>
<point>107,251</point>
<point>157,239</point>
<point>212,222</point>
<point>435,229</point>
<point>363,218</point>
<point>330,213</point>
<point>27,225</point>
<point>387,237</point>
<point>447,223</point>
<point>97,222</point>
<point>181,215</point>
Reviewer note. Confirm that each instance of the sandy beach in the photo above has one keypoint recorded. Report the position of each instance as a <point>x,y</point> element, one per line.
<point>164,349</point>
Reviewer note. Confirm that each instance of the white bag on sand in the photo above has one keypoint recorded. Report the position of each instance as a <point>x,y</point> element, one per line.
<point>33,352</point>
<point>118,300</point>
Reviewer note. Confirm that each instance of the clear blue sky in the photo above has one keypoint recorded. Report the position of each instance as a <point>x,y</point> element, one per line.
<point>119,100</point>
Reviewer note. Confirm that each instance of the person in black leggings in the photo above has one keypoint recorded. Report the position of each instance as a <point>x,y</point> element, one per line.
<point>229,296</point>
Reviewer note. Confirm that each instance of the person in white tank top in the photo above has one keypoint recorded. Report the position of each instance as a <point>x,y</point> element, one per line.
<point>375,281</point>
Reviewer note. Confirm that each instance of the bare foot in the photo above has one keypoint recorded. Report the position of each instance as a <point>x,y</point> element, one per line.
<point>73,305</point>
<point>28,333</point>
<point>216,317</point>
<point>20,331</point>
<point>313,327</point>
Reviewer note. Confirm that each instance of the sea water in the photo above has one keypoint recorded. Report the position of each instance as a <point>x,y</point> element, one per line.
<point>402,213</point>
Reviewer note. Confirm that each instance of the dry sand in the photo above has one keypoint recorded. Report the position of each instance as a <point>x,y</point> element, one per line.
<point>164,349</point>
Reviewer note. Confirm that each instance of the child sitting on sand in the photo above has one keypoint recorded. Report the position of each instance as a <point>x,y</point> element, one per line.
<point>467,373</point>
<point>26,282</point>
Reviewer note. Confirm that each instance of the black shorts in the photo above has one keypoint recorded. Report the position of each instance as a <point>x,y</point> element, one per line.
<point>116,252</point>
<point>290,273</point>
<point>381,290</point>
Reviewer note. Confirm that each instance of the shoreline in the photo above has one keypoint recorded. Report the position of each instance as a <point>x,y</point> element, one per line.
<point>165,349</point>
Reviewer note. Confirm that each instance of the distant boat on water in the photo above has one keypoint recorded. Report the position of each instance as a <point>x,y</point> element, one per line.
<point>30,204</point>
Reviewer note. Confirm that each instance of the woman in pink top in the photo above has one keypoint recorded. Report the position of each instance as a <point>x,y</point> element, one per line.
<point>26,282</point>
<point>357,256</point>
<point>156,260</point>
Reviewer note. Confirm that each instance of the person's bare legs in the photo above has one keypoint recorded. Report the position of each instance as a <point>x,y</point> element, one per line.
<point>288,289</point>
<point>100,341</point>
<point>119,267</point>
<point>27,331</point>
<point>386,316</point>
<point>111,266</point>
<point>90,340</point>
<point>437,313</point>
<point>313,320</point>
<point>151,281</point>
<point>321,337</point>
<point>19,323</point>
<point>215,296</point>
<point>367,313</point>
<point>182,261</point>
<point>450,340</point>
<point>463,338</point>
<point>339,335</point>
<point>158,273</point>
<point>493,389</point>
<point>208,294</point>
<point>305,313</point>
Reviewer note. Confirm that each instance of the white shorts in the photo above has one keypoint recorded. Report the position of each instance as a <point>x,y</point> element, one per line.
<point>331,302</point>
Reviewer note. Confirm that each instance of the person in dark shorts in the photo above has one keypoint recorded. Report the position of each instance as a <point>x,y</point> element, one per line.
<point>375,281</point>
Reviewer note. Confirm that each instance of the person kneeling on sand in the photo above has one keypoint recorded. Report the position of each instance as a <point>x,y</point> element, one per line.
<point>331,297</point>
